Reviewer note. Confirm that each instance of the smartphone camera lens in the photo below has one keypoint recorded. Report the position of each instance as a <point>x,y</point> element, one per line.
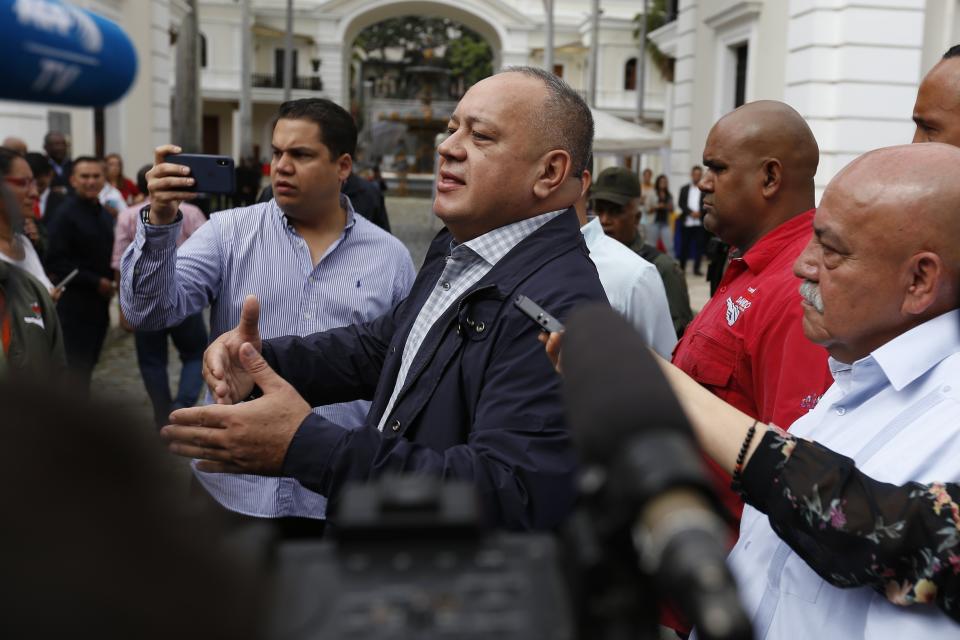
<point>222,163</point>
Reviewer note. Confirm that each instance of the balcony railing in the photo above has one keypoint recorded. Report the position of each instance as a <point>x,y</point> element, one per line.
<point>271,81</point>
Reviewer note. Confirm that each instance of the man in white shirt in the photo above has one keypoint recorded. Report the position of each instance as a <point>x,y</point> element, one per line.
<point>880,288</point>
<point>690,223</point>
<point>632,284</point>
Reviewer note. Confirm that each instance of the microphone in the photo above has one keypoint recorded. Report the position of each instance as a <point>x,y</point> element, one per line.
<point>643,471</point>
<point>56,52</point>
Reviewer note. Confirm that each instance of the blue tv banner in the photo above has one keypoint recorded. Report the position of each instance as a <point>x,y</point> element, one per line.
<point>55,52</point>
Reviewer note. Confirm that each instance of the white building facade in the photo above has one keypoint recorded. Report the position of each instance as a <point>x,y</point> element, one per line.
<point>851,68</point>
<point>325,31</point>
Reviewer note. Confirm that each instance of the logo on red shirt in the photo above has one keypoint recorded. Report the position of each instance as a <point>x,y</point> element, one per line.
<point>738,306</point>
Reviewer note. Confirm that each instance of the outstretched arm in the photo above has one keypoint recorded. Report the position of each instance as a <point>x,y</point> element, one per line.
<point>829,512</point>
<point>159,285</point>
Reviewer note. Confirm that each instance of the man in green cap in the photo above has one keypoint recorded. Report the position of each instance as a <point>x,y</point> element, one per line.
<point>616,201</point>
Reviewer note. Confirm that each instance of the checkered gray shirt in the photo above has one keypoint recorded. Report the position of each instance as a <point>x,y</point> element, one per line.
<point>466,264</point>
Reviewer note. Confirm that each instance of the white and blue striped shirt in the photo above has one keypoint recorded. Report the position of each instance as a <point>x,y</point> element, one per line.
<point>255,250</point>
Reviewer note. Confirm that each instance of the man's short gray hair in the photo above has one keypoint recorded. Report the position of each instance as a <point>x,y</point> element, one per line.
<point>566,121</point>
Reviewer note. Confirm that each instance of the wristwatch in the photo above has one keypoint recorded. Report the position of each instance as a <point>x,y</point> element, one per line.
<point>145,216</point>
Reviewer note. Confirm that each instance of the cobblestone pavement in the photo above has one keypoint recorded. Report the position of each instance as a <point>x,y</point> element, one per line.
<point>117,379</point>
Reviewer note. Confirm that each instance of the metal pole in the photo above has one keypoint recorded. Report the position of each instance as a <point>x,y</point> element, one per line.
<point>246,99</point>
<point>594,53</point>
<point>288,54</point>
<point>548,45</point>
<point>187,105</point>
<point>642,63</point>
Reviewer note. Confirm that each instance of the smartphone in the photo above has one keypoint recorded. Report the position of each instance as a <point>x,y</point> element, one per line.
<point>213,174</point>
<point>70,276</point>
<point>536,313</point>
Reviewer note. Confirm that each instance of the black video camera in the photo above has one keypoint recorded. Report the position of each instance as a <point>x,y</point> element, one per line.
<point>409,560</point>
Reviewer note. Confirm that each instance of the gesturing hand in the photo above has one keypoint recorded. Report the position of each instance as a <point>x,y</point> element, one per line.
<point>251,437</point>
<point>228,380</point>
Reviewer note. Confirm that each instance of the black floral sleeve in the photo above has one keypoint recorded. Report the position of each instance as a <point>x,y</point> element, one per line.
<point>902,541</point>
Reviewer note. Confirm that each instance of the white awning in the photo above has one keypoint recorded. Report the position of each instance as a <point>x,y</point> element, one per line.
<point>614,135</point>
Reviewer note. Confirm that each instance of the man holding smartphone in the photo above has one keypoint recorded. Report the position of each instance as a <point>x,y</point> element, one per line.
<point>189,337</point>
<point>308,258</point>
<point>460,387</point>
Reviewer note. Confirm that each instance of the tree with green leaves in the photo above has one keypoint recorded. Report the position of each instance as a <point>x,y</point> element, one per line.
<point>656,16</point>
<point>469,57</point>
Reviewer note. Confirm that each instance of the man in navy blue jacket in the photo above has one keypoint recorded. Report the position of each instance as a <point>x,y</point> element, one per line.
<point>460,386</point>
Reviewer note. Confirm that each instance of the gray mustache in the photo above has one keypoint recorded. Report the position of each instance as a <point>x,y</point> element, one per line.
<point>810,291</point>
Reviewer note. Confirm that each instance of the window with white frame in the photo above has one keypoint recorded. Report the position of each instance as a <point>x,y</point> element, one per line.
<point>741,53</point>
<point>735,37</point>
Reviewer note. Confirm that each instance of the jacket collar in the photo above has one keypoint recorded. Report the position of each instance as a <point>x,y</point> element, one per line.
<point>560,235</point>
<point>552,239</point>
<point>495,244</point>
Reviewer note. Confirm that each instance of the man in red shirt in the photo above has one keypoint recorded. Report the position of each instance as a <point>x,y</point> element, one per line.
<point>747,345</point>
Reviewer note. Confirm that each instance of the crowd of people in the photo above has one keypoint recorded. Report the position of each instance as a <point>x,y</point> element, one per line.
<point>818,377</point>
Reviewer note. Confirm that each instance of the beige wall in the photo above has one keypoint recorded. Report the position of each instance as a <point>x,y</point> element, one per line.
<point>702,107</point>
<point>941,30</point>
<point>140,121</point>
<point>223,111</point>
<point>769,57</point>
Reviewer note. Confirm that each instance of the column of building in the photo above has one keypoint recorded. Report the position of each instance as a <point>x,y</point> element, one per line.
<point>852,72</point>
<point>682,155</point>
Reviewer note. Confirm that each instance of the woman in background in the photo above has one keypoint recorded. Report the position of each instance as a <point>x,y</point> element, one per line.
<point>658,233</point>
<point>126,187</point>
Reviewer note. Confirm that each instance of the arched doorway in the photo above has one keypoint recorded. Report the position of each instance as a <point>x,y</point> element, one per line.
<point>415,57</point>
<point>472,14</point>
<point>403,100</point>
<point>407,74</point>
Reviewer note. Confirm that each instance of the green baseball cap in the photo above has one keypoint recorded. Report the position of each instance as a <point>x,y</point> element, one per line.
<point>616,184</point>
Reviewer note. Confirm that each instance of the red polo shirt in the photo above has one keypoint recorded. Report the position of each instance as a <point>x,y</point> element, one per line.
<point>747,345</point>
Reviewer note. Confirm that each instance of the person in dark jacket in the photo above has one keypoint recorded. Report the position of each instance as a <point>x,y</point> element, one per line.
<point>81,237</point>
<point>367,199</point>
<point>460,386</point>
<point>57,148</point>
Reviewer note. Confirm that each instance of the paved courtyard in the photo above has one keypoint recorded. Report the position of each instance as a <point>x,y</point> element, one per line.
<point>117,379</point>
